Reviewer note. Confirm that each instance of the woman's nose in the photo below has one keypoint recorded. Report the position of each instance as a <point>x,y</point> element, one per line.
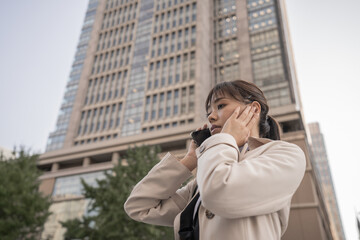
<point>212,117</point>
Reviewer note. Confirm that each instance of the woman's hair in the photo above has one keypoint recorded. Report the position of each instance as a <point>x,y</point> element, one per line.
<point>247,93</point>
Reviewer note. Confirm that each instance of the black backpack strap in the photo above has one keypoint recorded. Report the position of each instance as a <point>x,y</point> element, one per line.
<point>189,229</point>
<point>186,231</point>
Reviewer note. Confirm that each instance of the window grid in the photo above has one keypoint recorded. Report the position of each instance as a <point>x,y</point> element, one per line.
<point>173,42</point>
<point>166,104</point>
<point>175,17</point>
<point>112,59</point>
<point>266,52</point>
<point>99,121</point>
<point>171,70</point>
<point>116,15</point>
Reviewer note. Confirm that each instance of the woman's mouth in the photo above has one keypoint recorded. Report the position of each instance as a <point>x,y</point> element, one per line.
<point>215,129</point>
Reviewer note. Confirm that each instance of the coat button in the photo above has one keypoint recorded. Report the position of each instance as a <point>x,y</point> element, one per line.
<point>209,214</point>
<point>201,149</point>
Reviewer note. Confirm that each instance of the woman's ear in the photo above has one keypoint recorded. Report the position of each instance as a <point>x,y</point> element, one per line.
<point>257,106</point>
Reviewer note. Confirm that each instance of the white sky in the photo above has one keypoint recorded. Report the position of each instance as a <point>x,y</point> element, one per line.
<point>38,42</point>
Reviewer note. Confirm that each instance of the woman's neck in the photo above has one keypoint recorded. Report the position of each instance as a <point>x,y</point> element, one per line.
<point>255,133</point>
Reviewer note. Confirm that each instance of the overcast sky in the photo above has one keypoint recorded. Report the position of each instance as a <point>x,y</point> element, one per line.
<point>38,42</point>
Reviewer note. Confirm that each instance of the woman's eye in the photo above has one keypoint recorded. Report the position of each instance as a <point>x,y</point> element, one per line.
<point>221,106</point>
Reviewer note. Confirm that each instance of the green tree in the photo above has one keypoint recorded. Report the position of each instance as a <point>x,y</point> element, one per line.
<point>107,219</point>
<point>23,209</point>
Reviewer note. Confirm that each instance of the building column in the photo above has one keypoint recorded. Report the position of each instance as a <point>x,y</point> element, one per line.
<point>86,162</point>
<point>242,24</point>
<point>115,158</point>
<point>54,167</point>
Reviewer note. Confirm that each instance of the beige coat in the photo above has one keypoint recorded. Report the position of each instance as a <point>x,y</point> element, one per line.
<point>245,195</point>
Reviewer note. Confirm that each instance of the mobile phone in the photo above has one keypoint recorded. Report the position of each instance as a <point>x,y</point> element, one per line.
<point>200,136</point>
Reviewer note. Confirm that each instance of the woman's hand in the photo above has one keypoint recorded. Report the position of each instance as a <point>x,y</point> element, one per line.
<point>190,159</point>
<point>240,125</point>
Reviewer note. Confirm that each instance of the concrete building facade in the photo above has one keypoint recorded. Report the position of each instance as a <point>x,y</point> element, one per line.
<point>141,74</point>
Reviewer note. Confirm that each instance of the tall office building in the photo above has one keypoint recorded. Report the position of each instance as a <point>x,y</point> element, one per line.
<point>141,73</point>
<point>323,172</point>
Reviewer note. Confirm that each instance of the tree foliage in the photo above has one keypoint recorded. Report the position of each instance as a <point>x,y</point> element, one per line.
<point>23,209</point>
<point>107,219</point>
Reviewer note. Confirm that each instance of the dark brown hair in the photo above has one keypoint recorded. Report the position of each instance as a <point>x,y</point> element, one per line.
<point>247,93</point>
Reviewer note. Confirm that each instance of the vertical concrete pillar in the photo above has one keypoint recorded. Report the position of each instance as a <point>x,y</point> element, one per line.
<point>86,161</point>
<point>115,158</point>
<point>244,46</point>
<point>54,167</point>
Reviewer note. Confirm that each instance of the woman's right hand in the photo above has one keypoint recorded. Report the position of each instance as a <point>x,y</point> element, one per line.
<point>240,125</point>
<point>190,159</point>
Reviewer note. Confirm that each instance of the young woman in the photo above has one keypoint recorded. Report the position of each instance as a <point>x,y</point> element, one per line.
<point>245,177</point>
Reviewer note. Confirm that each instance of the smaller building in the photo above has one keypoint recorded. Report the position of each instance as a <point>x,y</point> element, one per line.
<point>358,222</point>
<point>323,173</point>
<point>5,153</point>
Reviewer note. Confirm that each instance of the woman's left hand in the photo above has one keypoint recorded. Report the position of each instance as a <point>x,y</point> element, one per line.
<point>239,125</point>
<point>190,159</point>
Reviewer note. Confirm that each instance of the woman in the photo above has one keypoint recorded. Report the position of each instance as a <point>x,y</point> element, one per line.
<point>245,177</point>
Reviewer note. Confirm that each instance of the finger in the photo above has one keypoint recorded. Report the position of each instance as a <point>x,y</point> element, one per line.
<point>249,116</point>
<point>205,126</point>
<point>235,114</point>
<point>194,131</point>
<point>253,120</point>
<point>244,114</point>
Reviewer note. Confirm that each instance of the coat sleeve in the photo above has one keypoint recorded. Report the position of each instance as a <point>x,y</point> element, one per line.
<point>257,185</point>
<point>157,199</point>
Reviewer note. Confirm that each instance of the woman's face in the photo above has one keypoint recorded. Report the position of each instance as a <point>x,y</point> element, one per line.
<point>220,110</point>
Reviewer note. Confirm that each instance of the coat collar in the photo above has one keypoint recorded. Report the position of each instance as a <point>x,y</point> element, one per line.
<point>254,142</point>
